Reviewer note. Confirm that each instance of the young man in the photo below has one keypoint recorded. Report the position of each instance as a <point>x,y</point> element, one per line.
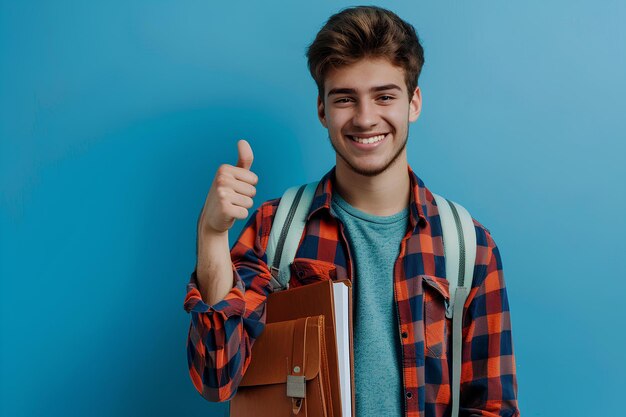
<point>373,221</point>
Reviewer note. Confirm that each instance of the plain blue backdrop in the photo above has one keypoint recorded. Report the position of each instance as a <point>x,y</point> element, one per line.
<point>114,117</point>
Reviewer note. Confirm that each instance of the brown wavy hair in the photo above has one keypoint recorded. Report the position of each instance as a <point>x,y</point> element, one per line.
<point>365,32</point>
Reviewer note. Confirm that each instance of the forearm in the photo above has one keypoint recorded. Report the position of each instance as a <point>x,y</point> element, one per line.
<point>214,267</point>
<point>221,334</point>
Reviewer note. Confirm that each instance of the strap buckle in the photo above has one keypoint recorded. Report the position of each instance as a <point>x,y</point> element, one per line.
<point>275,282</point>
<point>296,386</point>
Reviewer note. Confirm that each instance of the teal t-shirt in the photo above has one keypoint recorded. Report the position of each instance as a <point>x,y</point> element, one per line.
<point>375,245</point>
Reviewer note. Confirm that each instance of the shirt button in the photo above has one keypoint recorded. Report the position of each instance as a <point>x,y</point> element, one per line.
<point>405,335</point>
<point>409,395</point>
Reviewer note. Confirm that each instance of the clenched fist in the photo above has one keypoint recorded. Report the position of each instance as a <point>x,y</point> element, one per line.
<point>230,195</point>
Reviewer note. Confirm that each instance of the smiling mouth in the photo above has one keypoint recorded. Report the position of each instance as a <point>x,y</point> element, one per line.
<point>368,140</point>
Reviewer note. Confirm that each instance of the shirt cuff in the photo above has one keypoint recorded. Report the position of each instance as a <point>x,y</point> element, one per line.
<point>232,304</point>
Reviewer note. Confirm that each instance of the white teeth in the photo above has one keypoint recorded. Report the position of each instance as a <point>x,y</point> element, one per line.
<point>373,139</point>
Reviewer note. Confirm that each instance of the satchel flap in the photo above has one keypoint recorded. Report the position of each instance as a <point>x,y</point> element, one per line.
<point>272,350</point>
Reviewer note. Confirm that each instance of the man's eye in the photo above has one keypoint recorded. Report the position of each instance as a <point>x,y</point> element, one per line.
<point>343,100</point>
<point>386,98</point>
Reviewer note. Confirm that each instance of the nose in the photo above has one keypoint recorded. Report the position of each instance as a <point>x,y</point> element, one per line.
<point>365,115</point>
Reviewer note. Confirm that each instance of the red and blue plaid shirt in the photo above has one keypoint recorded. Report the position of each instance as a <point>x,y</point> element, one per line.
<point>221,336</point>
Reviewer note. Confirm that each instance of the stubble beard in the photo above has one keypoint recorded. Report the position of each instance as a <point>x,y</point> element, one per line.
<point>375,171</point>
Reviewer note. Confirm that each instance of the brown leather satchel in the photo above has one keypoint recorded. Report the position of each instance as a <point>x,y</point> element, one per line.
<point>292,379</point>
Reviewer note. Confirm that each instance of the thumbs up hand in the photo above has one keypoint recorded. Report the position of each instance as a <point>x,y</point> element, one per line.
<point>230,195</point>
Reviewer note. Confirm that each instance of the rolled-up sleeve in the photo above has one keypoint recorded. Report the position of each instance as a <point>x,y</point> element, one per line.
<point>221,336</point>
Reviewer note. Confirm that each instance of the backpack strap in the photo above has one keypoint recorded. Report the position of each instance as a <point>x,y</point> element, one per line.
<point>287,231</point>
<point>459,238</point>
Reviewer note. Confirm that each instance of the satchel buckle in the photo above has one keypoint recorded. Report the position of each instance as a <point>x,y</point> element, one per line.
<point>296,386</point>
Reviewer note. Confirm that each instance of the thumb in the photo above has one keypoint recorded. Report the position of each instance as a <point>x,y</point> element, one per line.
<point>246,156</point>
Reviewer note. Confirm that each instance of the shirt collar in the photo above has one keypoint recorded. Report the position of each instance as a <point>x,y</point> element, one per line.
<point>417,204</point>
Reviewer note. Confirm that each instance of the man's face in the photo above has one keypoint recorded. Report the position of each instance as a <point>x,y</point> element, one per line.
<point>368,102</point>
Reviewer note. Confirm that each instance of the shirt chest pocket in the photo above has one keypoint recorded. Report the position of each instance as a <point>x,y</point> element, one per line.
<point>436,326</point>
<point>306,271</point>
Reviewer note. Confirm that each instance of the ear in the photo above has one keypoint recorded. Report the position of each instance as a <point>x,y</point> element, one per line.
<point>415,105</point>
<point>321,112</point>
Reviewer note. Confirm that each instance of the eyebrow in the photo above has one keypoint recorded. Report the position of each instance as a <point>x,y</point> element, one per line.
<point>372,90</point>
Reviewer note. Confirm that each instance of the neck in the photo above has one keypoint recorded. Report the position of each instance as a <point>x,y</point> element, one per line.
<point>381,195</point>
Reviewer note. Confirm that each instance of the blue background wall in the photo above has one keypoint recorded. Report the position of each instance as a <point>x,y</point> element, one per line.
<point>114,118</point>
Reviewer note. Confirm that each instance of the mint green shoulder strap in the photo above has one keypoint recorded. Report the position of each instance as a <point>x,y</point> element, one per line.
<point>459,243</point>
<point>287,231</point>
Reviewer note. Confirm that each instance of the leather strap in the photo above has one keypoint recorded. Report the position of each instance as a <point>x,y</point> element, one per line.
<point>296,380</point>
